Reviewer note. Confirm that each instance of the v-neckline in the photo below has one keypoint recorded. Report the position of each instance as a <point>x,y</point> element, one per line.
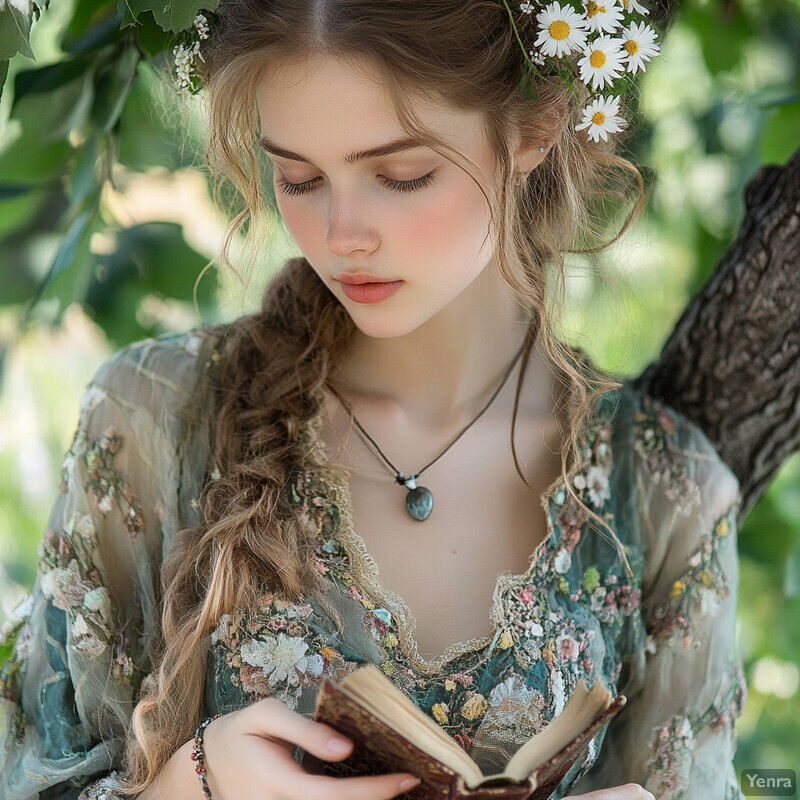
<point>366,572</point>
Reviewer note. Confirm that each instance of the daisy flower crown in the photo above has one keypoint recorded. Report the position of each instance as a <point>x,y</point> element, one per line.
<point>595,47</point>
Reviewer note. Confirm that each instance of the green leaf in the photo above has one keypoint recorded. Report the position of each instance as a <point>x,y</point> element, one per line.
<point>49,78</point>
<point>151,37</point>
<point>15,30</point>
<point>780,136</point>
<point>3,76</point>
<point>104,33</point>
<point>84,179</point>
<point>65,255</point>
<point>171,16</point>
<point>112,87</point>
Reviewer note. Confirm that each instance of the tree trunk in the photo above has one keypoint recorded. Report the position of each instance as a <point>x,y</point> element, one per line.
<point>732,363</point>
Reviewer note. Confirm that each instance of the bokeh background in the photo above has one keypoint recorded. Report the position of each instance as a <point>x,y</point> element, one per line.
<point>723,100</point>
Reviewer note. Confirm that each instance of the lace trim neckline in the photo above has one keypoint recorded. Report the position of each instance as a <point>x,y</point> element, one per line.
<point>366,572</point>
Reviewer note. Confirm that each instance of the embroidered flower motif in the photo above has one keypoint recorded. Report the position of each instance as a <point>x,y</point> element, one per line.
<point>474,706</point>
<point>514,710</point>
<point>597,481</point>
<point>440,712</point>
<point>563,560</point>
<point>670,759</point>
<point>282,659</point>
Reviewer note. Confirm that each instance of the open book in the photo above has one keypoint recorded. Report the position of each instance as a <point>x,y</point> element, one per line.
<point>390,734</point>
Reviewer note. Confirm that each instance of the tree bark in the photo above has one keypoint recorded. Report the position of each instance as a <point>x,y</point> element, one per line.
<point>732,363</point>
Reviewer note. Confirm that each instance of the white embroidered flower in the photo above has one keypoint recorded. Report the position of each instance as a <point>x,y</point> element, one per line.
<point>600,117</point>
<point>98,600</point>
<point>634,5</point>
<point>561,30</point>
<point>79,627</point>
<point>563,560</point>
<point>597,597</point>
<point>105,504</point>
<point>601,62</point>
<point>556,680</point>
<point>579,481</point>
<point>597,479</point>
<point>282,658</point>
<point>709,602</point>
<point>638,46</point>
<point>533,628</point>
<point>604,15</point>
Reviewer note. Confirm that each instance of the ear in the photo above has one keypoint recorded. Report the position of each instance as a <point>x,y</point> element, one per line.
<point>531,155</point>
<point>534,142</point>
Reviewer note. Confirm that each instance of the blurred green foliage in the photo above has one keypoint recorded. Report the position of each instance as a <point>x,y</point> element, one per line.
<point>79,279</point>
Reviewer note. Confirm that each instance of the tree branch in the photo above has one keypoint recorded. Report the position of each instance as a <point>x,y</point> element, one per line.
<point>732,363</point>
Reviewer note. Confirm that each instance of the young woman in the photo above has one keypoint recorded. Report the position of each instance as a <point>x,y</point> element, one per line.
<point>395,461</point>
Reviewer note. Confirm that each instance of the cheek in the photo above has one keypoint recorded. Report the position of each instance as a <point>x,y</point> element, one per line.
<point>453,225</point>
<point>302,226</point>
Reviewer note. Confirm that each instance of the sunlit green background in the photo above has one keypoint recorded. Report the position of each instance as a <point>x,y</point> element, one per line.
<point>723,99</point>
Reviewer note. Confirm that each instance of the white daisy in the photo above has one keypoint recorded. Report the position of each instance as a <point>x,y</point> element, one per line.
<point>601,62</point>
<point>600,117</point>
<point>638,45</point>
<point>562,30</point>
<point>634,5</point>
<point>604,15</point>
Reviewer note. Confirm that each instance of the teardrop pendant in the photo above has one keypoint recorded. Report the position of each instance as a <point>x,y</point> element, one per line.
<point>419,500</point>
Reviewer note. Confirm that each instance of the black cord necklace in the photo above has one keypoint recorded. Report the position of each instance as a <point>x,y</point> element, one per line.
<point>419,500</point>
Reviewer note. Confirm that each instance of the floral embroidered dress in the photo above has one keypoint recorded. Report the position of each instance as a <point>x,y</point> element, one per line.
<point>664,638</point>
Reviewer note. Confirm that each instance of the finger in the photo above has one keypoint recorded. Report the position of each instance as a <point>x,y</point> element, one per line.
<point>295,782</point>
<point>272,719</point>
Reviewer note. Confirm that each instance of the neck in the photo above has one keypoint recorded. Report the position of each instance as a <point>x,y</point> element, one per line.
<point>446,369</point>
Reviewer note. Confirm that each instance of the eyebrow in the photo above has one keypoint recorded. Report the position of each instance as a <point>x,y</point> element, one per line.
<point>397,146</point>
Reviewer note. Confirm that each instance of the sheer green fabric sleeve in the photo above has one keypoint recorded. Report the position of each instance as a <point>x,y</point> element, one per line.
<point>677,735</point>
<point>87,629</point>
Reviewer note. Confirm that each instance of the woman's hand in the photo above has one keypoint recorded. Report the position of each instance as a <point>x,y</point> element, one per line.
<point>249,754</point>
<point>628,791</point>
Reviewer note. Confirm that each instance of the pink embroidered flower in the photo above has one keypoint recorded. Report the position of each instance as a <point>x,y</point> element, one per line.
<point>567,647</point>
<point>665,420</point>
<point>526,596</point>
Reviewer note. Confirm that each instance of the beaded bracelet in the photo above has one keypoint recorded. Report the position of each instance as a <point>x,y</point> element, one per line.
<point>199,757</point>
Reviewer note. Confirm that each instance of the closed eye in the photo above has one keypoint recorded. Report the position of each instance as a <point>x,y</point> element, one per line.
<point>294,189</point>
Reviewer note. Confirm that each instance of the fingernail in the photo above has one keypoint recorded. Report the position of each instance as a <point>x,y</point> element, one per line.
<point>338,745</point>
<point>409,783</point>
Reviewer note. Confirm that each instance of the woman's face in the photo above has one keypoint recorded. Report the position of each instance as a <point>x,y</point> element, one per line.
<point>410,216</point>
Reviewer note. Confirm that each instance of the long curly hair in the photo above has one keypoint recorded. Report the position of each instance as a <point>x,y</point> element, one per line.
<point>277,361</point>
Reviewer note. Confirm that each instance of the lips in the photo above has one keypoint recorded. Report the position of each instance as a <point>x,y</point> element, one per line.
<point>357,279</point>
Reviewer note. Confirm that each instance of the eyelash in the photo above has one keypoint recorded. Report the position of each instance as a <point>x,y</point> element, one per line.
<point>294,189</point>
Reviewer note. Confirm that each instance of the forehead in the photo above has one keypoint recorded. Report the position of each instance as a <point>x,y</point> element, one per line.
<point>328,107</point>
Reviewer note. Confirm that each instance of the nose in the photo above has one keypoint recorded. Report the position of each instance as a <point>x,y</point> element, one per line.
<point>349,226</point>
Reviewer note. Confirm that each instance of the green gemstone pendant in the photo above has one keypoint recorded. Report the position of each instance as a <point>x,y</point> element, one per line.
<point>419,500</point>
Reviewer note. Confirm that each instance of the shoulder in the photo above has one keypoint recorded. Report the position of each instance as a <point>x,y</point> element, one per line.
<point>161,372</point>
<point>163,382</point>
